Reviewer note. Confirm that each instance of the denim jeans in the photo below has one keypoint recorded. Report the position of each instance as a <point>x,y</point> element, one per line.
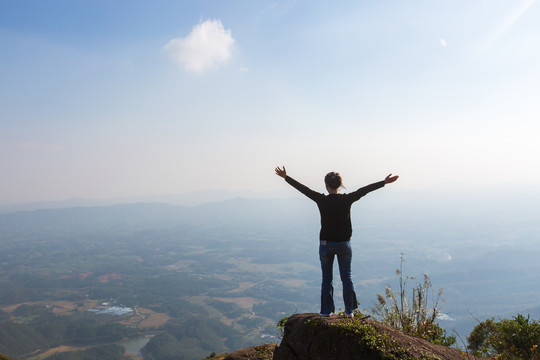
<point>327,251</point>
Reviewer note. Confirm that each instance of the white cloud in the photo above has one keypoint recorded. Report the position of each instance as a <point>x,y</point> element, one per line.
<point>443,42</point>
<point>207,46</point>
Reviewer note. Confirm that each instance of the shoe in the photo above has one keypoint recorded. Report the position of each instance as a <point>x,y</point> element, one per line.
<point>325,315</point>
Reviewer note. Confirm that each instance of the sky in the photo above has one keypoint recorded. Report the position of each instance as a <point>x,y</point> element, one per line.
<point>111,99</point>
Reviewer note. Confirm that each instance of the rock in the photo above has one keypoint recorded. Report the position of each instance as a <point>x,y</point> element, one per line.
<point>310,336</point>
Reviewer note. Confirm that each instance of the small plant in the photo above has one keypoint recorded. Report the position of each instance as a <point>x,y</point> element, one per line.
<point>281,325</point>
<point>313,322</point>
<point>412,314</point>
<point>265,350</point>
<point>517,338</point>
<point>371,339</point>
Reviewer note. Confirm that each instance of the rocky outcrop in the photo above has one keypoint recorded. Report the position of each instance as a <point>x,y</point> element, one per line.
<point>313,337</point>
<point>310,336</point>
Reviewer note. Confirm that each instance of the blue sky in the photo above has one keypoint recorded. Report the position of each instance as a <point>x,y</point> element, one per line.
<point>108,99</point>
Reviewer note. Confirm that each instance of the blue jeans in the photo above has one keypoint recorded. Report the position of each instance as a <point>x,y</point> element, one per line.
<point>344,255</point>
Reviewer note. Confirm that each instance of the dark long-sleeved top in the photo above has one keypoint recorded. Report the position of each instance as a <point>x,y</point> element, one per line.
<point>335,209</point>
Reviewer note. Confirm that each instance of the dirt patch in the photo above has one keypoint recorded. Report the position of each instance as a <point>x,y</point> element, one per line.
<point>62,307</point>
<point>144,311</point>
<point>154,320</point>
<point>111,276</point>
<point>242,286</point>
<point>246,265</point>
<point>80,276</point>
<point>243,302</point>
<point>9,309</point>
<point>57,350</point>
<point>180,265</point>
<point>292,282</point>
<point>223,277</point>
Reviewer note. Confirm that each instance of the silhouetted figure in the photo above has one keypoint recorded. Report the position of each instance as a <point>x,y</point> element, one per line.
<point>335,235</point>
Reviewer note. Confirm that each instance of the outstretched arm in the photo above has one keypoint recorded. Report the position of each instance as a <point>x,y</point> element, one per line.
<point>313,195</point>
<point>390,179</point>
<point>372,187</point>
<point>281,172</point>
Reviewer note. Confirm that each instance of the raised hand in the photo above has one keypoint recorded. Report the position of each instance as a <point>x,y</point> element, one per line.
<point>390,179</point>
<point>281,172</point>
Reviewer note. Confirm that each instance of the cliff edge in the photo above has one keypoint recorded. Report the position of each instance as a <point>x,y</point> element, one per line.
<point>310,336</point>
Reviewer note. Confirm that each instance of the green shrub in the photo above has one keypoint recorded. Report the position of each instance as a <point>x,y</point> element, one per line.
<point>518,338</point>
<point>412,315</point>
<point>281,325</point>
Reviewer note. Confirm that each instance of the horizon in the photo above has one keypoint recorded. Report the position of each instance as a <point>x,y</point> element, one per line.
<point>388,208</point>
<point>103,101</point>
<point>449,192</point>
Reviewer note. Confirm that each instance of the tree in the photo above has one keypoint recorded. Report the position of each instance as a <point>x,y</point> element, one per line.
<point>517,338</point>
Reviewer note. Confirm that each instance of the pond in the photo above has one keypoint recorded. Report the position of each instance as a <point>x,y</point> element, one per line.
<point>134,346</point>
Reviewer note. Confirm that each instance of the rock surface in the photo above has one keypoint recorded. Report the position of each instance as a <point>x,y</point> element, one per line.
<point>310,336</point>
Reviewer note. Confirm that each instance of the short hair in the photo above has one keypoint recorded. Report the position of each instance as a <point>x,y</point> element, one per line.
<point>333,180</point>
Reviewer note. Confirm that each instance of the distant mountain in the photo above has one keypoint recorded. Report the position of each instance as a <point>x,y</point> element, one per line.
<point>188,199</point>
<point>382,208</point>
<point>447,205</point>
<point>147,215</point>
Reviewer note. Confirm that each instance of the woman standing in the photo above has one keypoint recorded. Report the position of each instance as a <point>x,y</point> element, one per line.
<point>335,234</point>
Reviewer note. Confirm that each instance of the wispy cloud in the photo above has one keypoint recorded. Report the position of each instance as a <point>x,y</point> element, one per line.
<point>510,21</point>
<point>442,41</point>
<point>207,46</point>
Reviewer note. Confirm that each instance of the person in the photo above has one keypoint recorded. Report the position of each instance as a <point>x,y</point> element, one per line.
<point>335,234</point>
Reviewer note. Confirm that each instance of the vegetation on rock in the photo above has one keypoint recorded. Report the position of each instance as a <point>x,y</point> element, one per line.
<point>310,336</point>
